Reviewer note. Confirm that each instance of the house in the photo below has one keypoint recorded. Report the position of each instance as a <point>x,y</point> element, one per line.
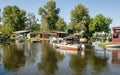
<point>25,33</point>
<point>60,34</point>
<point>116,34</point>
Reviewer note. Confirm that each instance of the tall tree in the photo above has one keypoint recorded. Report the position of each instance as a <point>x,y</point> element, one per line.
<point>0,15</point>
<point>49,14</point>
<point>61,24</point>
<point>80,19</point>
<point>100,24</point>
<point>32,22</point>
<point>14,17</point>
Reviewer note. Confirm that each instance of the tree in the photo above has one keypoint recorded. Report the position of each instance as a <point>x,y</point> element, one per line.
<point>32,22</point>
<point>49,14</point>
<point>60,25</point>
<point>14,17</point>
<point>100,24</point>
<point>0,15</point>
<point>80,19</point>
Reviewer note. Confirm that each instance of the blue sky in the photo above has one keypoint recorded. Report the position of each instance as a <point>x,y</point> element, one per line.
<point>109,8</point>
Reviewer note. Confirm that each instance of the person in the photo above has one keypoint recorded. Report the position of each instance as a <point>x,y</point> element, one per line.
<point>83,46</point>
<point>64,42</point>
<point>79,47</point>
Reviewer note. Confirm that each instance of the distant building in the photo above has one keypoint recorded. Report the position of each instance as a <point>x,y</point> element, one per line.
<point>60,34</point>
<point>25,33</point>
<point>116,34</point>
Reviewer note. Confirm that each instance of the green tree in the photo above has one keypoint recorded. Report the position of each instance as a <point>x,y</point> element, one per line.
<point>80,19</point>
<point>32,22</point>
<point>61,24</point>
<point>0,15</point>
<point>14,17</point>
<point>49,14</point>
<point>7,28</point>
<point>100,23</point>
<point>0,27</point>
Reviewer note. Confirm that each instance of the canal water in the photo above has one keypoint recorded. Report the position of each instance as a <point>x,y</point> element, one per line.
<point>43,59</point>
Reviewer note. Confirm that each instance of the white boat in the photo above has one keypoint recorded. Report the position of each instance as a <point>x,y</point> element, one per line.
<point>68,47</point>
<point>113,46</point>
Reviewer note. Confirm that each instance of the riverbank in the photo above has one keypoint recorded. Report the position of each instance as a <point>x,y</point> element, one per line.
<point>103,44</point>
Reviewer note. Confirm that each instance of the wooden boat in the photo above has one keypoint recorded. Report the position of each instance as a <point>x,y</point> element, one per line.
<point>68,47</point>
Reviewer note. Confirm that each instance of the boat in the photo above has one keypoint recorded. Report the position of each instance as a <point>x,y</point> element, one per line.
<point>69,47</point>
<point>113,46</point>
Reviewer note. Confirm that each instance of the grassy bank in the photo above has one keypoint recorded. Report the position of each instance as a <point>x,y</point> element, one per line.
<point>103,44</point>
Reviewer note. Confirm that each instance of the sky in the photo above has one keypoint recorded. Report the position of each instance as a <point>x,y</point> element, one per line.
<point>109,8</point>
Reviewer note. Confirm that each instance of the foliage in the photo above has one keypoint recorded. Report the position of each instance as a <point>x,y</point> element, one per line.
<point>100,23</point>
<point>44,27</point>
<point>1,27</point>
<point>14,17</point>
<point>60,25</point>
<point>0,16</point>
<point>49,14</point>
<point>32,22</point>
<point>80,19</point>
<point>6,29</point>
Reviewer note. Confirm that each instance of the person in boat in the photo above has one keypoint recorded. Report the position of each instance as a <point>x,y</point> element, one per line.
<point>79,47</point>
<point>83,46</point>
<point>64,42</point>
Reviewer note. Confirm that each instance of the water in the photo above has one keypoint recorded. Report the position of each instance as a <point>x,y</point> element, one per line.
<point>43,59</point>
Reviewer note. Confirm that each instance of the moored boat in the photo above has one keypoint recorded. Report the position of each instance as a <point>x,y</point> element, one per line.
<point>113,46</point>
<point>69,47</point>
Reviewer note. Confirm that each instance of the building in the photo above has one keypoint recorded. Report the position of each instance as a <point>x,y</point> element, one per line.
<point>25,33</point>
<point>116,34</point>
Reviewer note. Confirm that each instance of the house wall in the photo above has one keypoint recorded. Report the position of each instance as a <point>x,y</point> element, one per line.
<point>116,34</point>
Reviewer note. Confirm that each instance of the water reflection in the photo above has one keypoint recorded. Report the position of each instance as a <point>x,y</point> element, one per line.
<point>43,59</point>
<point>49,59</point>
<point>77,63</point>
<point>13,59</point>
<point>116,57</point>
<point>99,61</point>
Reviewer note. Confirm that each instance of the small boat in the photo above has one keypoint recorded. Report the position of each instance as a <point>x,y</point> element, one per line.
<point>68,47</point>
<point>113,46</point>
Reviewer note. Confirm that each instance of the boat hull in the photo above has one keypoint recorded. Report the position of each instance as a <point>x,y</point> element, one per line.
<point>67,47</point>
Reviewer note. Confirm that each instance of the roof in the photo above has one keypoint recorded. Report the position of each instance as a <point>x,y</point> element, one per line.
<point>22,31</point>
<point>118,27</point>
<point>59,32</point>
